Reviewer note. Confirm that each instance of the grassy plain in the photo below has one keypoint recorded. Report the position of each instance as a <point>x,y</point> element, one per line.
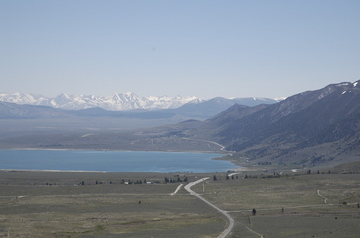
<point>56,204</point>
<point>316,205</point>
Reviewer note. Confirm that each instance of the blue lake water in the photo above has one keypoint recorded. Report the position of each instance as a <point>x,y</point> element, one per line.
<point>113,161</point>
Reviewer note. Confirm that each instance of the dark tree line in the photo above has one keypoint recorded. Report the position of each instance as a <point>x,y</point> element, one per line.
<point>177,180</point>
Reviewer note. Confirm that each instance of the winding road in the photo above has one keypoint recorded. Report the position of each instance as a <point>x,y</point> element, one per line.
<point>231,220</point>
<point>325,198</point>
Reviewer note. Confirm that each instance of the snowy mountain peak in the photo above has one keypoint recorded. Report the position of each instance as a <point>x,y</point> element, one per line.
<point>116,97</point>
<point>197,101</point>
<point>355,84</point>
<point>19,98</point>
<point>130,94</point>
<point>120,101</point>
<point>115,102</point>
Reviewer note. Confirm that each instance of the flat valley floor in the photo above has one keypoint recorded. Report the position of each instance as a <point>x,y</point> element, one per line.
<point>82,204</point>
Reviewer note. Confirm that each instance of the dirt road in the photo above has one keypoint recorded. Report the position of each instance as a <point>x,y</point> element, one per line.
<point>231,220</point>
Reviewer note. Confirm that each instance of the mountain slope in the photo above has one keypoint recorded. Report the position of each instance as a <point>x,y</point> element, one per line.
<point>208,108</point>
<point>285,131</point>
<point>13,110</point>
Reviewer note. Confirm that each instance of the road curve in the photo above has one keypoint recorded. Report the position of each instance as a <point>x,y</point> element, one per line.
<point>231,220</point>
<point>177,190</point>
<point>325,198</point>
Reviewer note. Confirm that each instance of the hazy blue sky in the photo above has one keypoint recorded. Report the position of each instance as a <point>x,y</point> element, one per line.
<point>200,48</point>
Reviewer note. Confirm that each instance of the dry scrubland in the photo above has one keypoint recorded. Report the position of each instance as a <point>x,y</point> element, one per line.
<point>316,205</point>
<point>53,204</point>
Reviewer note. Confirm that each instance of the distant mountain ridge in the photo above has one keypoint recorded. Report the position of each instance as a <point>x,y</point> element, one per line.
<point>116,102</point>
<point>208,108</point>
<point>123,101</point>
<point>10,110</point>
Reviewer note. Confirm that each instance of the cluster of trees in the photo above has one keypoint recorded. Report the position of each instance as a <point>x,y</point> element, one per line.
<point>232,177</point>
<point>227,177</point>
<point>175,180</point>
<point>96,182</point>
<point>129,181</point>
<point>50,184</point>
<point>123,181</point>
<point>280,174</point>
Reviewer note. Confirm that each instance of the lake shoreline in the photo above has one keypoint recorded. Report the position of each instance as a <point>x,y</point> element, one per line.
<point>54,160</point>
<point>112,150</point>
<point>54,171</point>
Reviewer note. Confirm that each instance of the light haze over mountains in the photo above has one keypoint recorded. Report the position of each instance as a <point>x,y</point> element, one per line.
<point>125,101</point>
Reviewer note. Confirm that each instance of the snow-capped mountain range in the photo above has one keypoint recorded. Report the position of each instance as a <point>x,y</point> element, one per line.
<point>123,101</point>
<point>116,102</point>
